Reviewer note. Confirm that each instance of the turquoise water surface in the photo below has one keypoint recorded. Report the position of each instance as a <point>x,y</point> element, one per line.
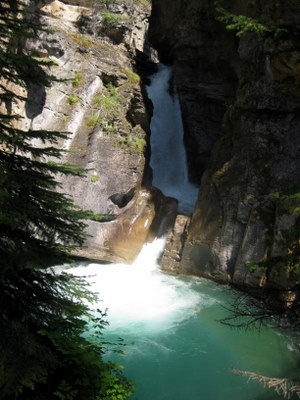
<point>175,349</point>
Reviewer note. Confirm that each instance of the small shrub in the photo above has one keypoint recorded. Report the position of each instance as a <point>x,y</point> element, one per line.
<point>73,99</point>
<point>289,203</point>
<point>132,76</point>
<point>243,24</point>
<point>81,40</point>
<point>95,178</point>
<point>109,102</point>
<point>138,145</point>
<point>131,144</point>
<point>256,266</point>
<point>99,217</point>
<point>93,120</point>
<point>78,79</point>
<point>111,19</point>
<point>109,128</point>
<point>112,89</point>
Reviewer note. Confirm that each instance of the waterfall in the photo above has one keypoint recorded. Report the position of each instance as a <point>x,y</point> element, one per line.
<point>175,348</point>
<point>139,296</point>
<point>168,156</point>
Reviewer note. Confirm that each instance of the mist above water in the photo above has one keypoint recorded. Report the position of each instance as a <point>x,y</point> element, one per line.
<point>139,296</point>
<point>168,155</point>
<point>175,348</point>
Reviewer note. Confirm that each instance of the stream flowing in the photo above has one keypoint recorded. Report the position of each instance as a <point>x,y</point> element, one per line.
<point>168,156</point>
<point>175,348</point>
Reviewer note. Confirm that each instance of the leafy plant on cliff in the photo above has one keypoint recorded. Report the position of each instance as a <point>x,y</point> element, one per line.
<point>78,79</point>
<point>73,99</point>
<point>243,24</point>
<point>240,23</point>
<point>43,352</point>
<point>111,19</point>
<point>289,203</point>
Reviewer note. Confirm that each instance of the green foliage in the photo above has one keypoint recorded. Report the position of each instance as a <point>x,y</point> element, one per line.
<point>132,76</point>
<point>110,3</point>
<point>95,178</point>
<point>73,99</point>
<point>109,103</point>
<point>49,322</point>
<point>289,203</point>
<point>78,79</point>
<point>256,266</point>
<point>44,351</point>
<point>81,40</point>
<point>111,19</point>
<point>290,261</point>
<point>99,217</point>
<point>243,24</point>
<point>132,144</point>
<point>93,120</point>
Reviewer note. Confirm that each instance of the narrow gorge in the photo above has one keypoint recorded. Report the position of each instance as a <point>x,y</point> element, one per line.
<point>239,102</point>
<point>183,119</point>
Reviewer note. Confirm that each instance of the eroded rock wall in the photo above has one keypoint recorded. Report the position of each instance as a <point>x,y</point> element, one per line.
<point>240,99</point>
<point>99,100</point>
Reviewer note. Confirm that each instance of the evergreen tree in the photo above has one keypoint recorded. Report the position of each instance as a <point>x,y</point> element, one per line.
<point>38,224</point>
<point>43,351</point>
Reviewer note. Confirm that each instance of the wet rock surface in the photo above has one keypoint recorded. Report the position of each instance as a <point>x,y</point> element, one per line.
<point>240,103</point>
<point>149,214</point>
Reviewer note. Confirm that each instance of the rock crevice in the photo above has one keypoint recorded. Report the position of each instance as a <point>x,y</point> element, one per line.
<point>240,101</point>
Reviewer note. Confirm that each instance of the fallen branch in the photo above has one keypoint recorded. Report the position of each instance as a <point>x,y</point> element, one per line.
<point>283,386</point>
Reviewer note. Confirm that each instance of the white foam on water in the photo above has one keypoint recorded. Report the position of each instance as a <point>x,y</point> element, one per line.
<point>139,297</point>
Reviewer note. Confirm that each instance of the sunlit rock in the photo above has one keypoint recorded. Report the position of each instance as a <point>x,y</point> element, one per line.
<point>149,214</point>
<point>171,259</point>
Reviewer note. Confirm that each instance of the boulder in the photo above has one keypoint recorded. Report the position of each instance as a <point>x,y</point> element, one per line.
<point>149,214</point>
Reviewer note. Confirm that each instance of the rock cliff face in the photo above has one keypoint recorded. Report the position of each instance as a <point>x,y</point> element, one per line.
<point>97,48</point>
<point>240,99</point>
<point>100,102</point>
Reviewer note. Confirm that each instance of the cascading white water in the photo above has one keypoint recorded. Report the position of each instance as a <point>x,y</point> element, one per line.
<point>139,294</point>
<point>168,156</point>
<point>175,348</point>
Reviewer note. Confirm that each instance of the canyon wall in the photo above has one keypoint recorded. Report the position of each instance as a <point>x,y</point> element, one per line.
<point>96,50</point>
<point>240,98</point>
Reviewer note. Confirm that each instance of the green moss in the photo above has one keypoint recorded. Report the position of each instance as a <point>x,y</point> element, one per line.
<point>111,19</point>
<point>81,40</point>
<point>288,203</point>
<point>78,79</point>
<point>132,76</point>
<point>109,103</point>
<point>72,99</point>
<point>99,217</point>
<point>93,120</point>
<point>95,178</point>
<point>256,266</point>
<point>130,143</point>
